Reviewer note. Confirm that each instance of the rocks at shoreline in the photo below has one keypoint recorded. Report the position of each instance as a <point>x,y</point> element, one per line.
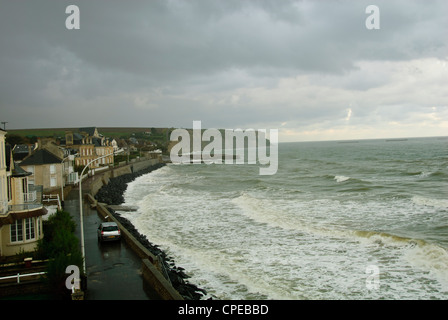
<point>112,194</point>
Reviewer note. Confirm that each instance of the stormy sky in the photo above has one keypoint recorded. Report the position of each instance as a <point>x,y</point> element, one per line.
<point>308,68</point>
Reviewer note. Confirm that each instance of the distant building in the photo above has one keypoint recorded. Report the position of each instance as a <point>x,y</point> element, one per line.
<point>89,144</point>
<point>45,169</point>
<point>90,132</point>
<point>20,151</point>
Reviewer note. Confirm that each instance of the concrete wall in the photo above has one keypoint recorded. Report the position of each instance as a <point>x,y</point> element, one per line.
<point>121,171</point>
<point>137,166</point>
<point>155,280</point>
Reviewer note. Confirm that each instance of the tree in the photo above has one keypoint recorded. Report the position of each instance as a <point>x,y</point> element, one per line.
<point>14,139</point>
<point>61,247</point>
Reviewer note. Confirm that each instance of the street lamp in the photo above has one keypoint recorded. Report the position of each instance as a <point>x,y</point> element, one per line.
<point>80,206</point>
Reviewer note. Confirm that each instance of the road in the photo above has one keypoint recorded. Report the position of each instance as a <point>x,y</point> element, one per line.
<point>113,269</point>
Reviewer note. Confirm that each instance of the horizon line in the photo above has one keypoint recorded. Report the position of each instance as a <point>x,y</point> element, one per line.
<point>148,127</point>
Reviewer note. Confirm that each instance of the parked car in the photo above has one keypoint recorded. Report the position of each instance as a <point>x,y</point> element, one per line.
<point>108,231</point>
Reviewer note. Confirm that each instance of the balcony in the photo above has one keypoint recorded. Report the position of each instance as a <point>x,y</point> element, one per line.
<point>28,205</point>
<point>28,202</point>
<point>25,207</point>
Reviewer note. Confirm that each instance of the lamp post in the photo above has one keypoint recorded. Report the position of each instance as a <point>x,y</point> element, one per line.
<point>80,206</point>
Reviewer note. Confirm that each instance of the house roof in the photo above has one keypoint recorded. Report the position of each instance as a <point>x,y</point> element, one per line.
<point>20,151</point>
<point>97,142</point>
<point>16,171</point>
<point>89,130</point>
<point>41,156</point>
<point>19,172</point>
<point>77,136</point>
<point>23,148</point>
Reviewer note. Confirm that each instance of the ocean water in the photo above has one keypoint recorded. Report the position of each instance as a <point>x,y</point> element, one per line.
<point>332,213</point>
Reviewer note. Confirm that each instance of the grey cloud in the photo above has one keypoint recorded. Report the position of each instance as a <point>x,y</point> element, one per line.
<point>170,62</point>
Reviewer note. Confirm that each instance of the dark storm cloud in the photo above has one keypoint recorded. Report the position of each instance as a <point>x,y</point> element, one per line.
<point>149,63</point>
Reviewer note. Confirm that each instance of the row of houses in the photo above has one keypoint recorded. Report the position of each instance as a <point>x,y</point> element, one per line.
<point>29,172</point>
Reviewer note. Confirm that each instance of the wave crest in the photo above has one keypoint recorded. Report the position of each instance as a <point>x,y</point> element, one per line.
<point>436,203</point>
<point>341,178</point>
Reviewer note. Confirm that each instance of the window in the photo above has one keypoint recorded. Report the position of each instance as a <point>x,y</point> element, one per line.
<point>29,229</point>
<point>52,182</point>
<point>24,186</point>
<point>52,169</point>
<point>39,232</point>
<point>17,231</point>
<point>9,187</point>
<point>2,152</point>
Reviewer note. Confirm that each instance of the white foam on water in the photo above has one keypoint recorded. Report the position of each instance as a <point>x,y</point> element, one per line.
<point>253,245</point>
<point>436,203</point>
<point>341,178</point>
<point>430,258</point>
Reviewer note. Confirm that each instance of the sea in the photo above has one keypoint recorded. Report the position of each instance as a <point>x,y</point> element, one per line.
<point>363,219</point>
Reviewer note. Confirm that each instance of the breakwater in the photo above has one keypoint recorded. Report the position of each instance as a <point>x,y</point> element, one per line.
<point>111,193</point>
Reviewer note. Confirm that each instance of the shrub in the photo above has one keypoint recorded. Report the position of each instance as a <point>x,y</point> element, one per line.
<point>61,247</point>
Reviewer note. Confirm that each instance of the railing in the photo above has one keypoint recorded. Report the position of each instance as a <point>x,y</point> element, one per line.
<point>29,202</point>
<point>24,206</point>
<point>29,197</point>
<point>52,198</point>
<point>18,276</point>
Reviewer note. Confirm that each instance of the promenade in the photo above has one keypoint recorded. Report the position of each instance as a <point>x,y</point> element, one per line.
<point>113,269</point>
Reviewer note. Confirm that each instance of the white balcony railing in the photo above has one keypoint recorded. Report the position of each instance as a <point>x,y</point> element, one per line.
<point>29,197</point>
<point>27,202</point>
